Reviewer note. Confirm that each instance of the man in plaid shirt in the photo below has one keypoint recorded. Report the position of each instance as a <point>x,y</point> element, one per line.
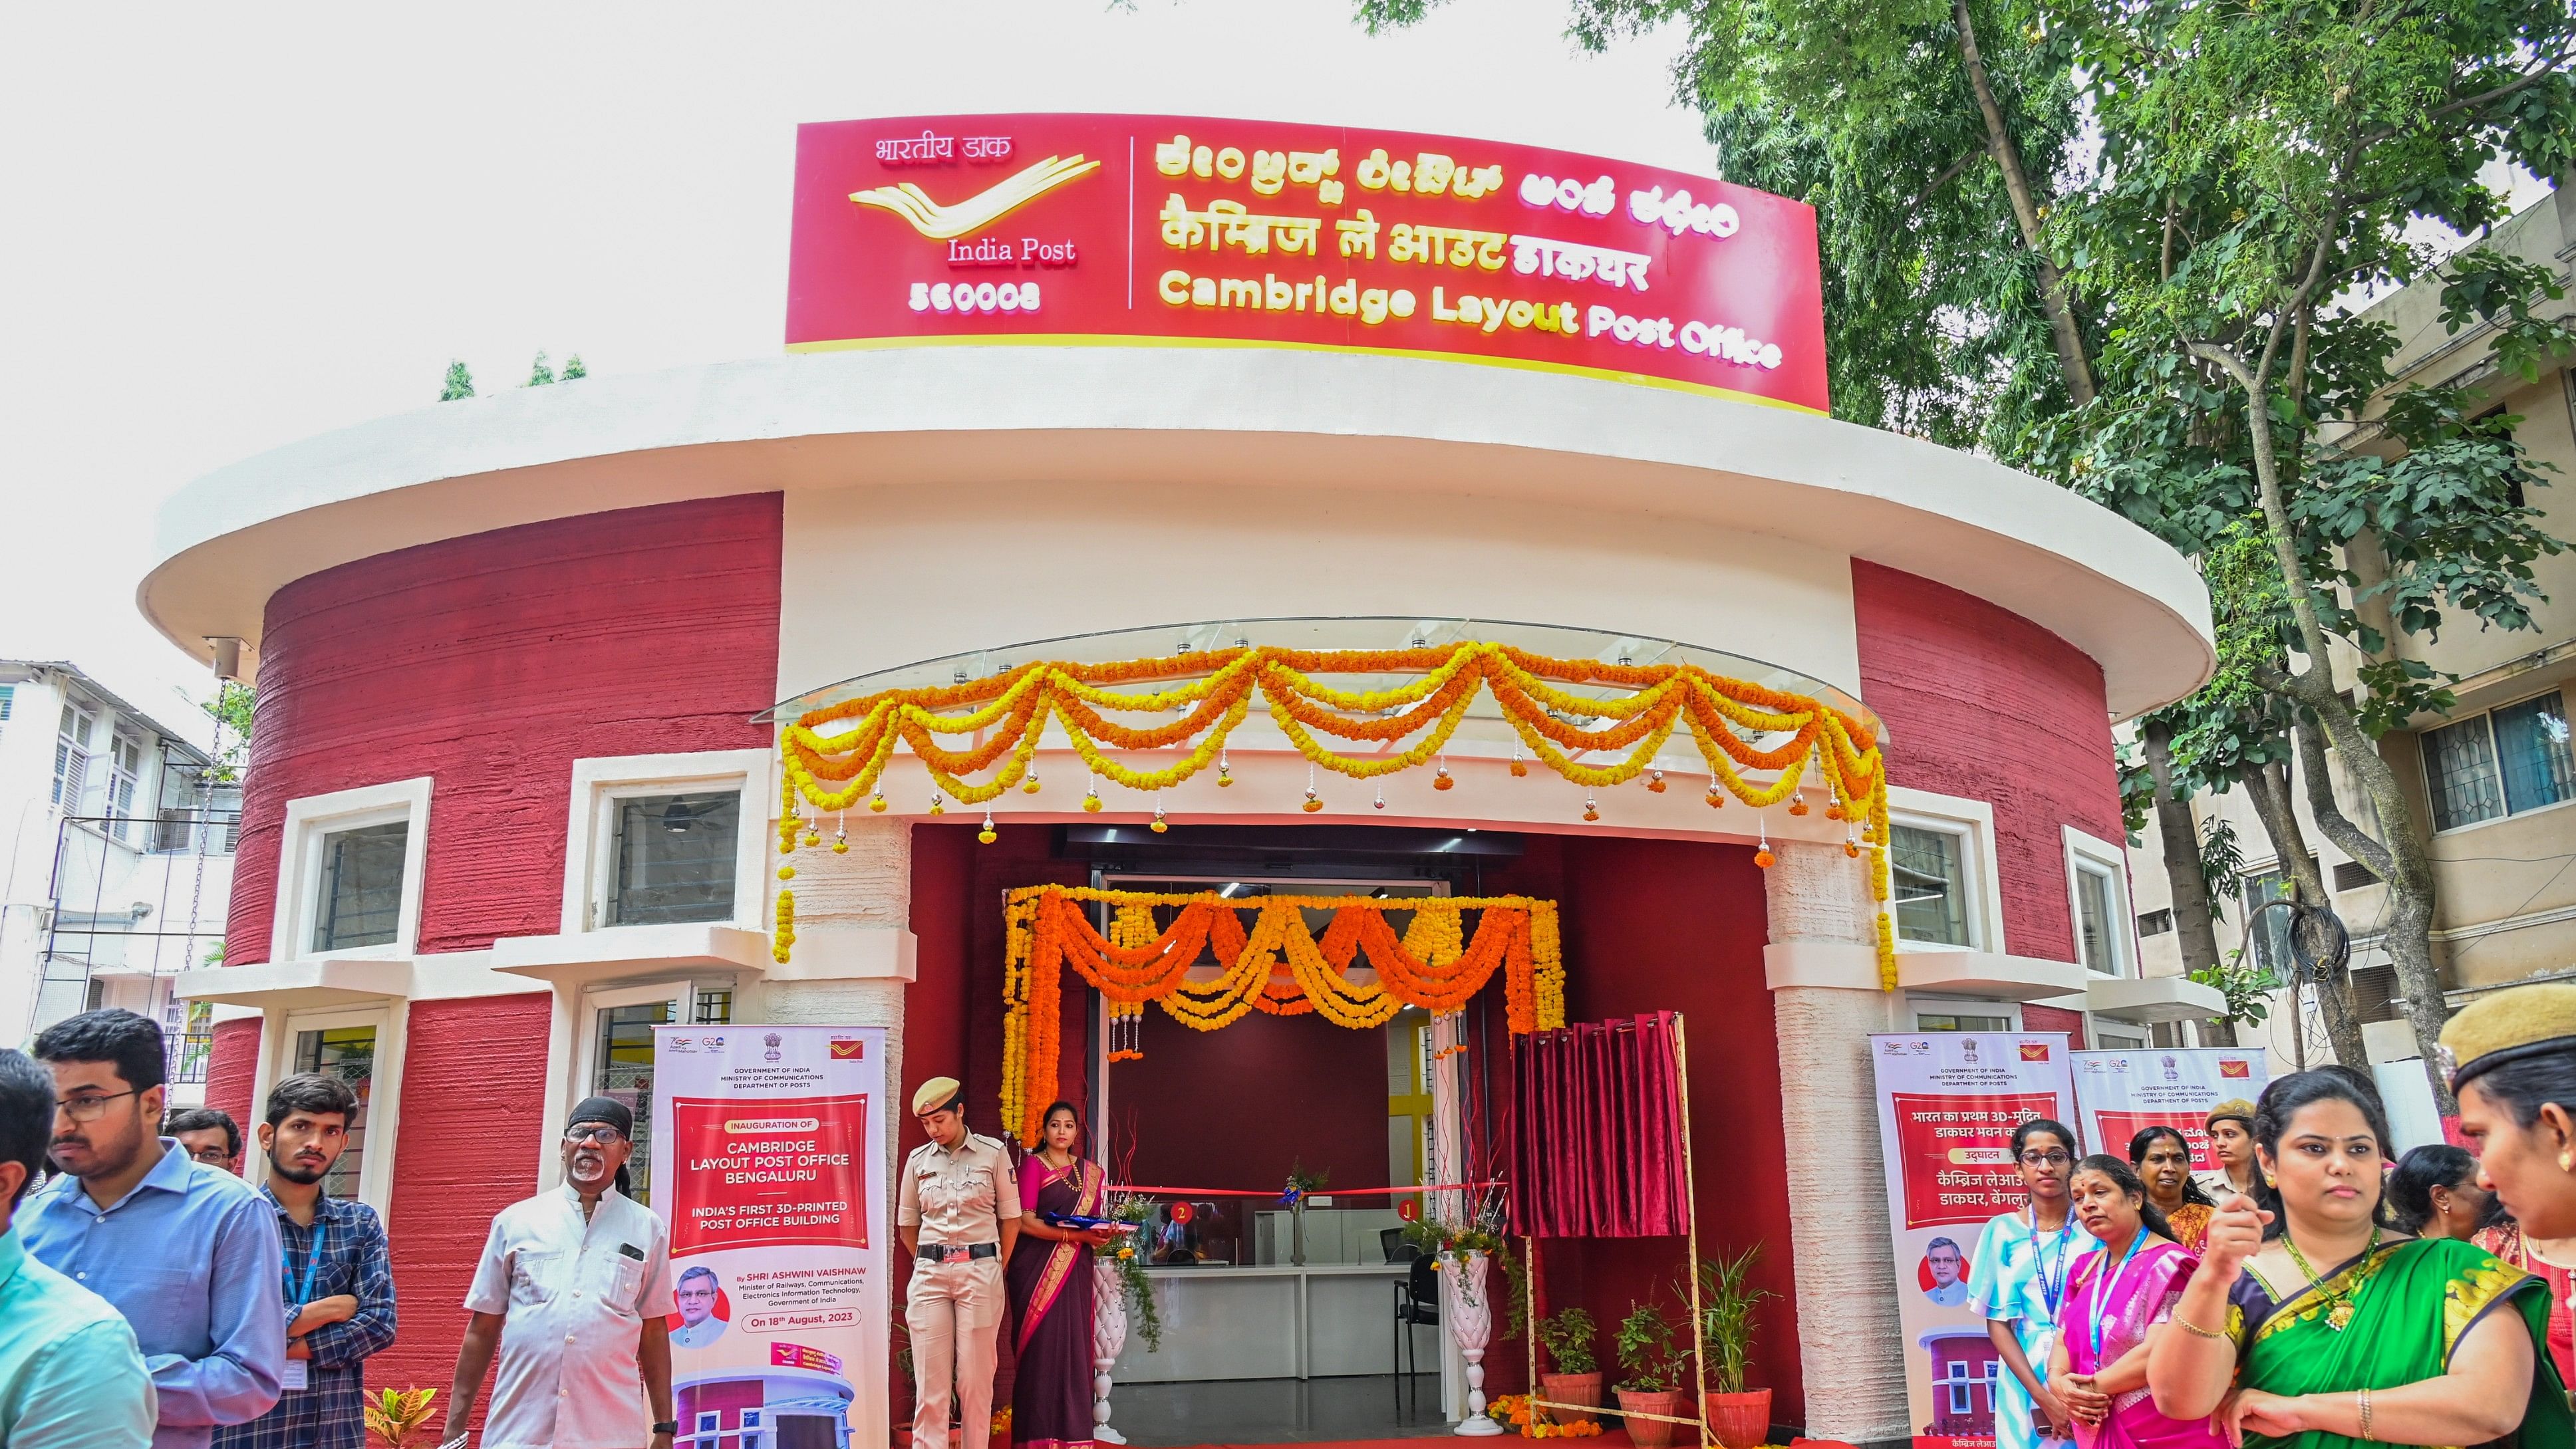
<point>338,1277</point>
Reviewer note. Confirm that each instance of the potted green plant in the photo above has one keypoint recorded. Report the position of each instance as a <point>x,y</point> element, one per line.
<point>1650,1352</point>
<point>1568,1335</point>
<point>1738,1417</point>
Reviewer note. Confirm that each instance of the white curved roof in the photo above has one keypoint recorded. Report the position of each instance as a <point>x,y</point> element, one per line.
<point>1218,418</point>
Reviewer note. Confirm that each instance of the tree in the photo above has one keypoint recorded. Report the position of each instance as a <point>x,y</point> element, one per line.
<point>460,383</point>
<point>539,372</point>
<point>232,710</point>
<point>2258,165</point>
<point>572,368</point>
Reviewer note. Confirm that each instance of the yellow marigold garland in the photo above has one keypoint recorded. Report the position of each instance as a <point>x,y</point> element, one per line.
<point>1214,692</point>
<point>1277,966</point>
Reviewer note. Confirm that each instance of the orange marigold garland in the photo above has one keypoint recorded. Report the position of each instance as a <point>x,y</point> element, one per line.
<point>1277,966</point>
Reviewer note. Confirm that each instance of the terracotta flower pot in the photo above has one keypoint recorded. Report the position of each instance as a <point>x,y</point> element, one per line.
<point>1739,1421</point>
<point>1584,1389</point>
<point>1652,1433</point>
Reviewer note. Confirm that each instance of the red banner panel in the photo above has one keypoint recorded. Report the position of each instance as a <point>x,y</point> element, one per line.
<point>1188,231</point>
<point>1957,1153</point>
<point>783,1170</point>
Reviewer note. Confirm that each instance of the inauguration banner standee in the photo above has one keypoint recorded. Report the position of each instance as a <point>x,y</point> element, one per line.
<point>2122,1092</point>
<point>1947,1106</point>
<point>767,1145</point>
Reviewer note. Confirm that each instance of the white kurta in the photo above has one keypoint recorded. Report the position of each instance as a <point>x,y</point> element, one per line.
<point>573,1305</point>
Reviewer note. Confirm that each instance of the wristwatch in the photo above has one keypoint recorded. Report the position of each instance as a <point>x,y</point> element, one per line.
<point>667,1426</point>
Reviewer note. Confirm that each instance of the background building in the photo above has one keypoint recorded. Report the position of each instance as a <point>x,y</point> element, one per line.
<point>2493,777</point>
<point>118,861</point>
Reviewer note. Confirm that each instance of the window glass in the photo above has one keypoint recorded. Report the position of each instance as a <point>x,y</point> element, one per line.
<point>622,1070</point>
<point>2460,772</point>
<point>2094,918</point>
<point>349,1053</point>
<point>359,899</point>
<point>2531,751</point>
<point>675,858</point>
<point>1931,885</point>
<point>1952,1021</point>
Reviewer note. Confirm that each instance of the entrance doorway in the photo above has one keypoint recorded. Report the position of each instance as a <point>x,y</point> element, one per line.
<point>1283,1324</point>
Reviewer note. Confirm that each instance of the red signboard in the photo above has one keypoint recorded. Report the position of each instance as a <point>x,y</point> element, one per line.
<point>1957,1153</point>
<point>1187,231</point>
<point>782,1170</point>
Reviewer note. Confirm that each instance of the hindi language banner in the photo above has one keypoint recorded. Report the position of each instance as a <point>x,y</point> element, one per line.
<point>1189,231</point>
<point>768,1152</point>
<point>2120,1093</point>
<point>1947,1106</point>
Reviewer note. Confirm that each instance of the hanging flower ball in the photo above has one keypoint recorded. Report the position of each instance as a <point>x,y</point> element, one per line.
<point>841,846</point>
<point>1590,811</point>
<point>878,804</point>
<point>1797,805</point>
<point>1520,767</point>
<point>987,835</point>
<point>1655,783</point>
<point>1834,810</point>
<point>1442,781</point>
<point>1224,776</point>
<point>787,872</point>
<point>1716,798</point>
<point>1313,803</point>
<point>1851,849</point>
<point>1091,802</point>
<point>1763,857</point>
<point>1158,827</point>
<point>813,837</point>
<point>1029,786</point>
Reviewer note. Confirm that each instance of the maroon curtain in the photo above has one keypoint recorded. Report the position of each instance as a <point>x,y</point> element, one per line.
<point>1597,1132</point>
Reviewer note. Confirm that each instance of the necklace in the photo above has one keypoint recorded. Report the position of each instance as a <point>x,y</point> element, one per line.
<point>2339,1302</point>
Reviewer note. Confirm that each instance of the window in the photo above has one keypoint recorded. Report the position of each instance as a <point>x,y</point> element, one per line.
<point>2156,923</point>
<point>2352,875</point>
<point>1931,885</point>
<point>8,700</point>
<point>125,770</point>
<point>622,1070</point>
<point>2272,931</point>
<point>2095,920</point>
<point>359,902</point>
<point>709,1421</point>
<point>71,757</point>
<point>2503,762</point>
<point>661,840</point>
<point>2116,1036</point>
<point>1954,1021</point>
<point>674,858</point>
<point>1962,1396</point>
<point>349,1053</point>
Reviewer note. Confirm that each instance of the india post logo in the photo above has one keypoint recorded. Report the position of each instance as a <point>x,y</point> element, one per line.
<point>2034,1051</point>
<point>2235,1069</point>
<point>848,1049</point>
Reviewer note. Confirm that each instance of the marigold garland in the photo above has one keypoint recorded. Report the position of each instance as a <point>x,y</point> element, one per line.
<point>1533,1423</point>
<point>1278,966</point>
<point>837,755</point>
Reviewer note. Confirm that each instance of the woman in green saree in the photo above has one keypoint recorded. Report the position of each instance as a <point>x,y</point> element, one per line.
<point>2310,1325</point>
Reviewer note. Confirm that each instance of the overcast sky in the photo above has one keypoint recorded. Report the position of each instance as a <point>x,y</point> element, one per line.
<point>229,230</point>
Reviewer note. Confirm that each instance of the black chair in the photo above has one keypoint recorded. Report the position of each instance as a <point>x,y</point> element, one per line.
<point>1417,1301</point>
<point>1397,1250</point>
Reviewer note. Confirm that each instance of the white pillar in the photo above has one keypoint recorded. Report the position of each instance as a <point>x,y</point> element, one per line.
<point>854,948</point>
<point>1825,1001</point>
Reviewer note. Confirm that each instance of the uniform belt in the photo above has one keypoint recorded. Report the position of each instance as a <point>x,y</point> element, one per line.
<point>958,1252</point>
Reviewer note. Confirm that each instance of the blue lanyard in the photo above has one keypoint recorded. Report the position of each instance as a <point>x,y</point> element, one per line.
<point>2052,1296</point>
<point>2102,1289</point>
<point>312,1264</point>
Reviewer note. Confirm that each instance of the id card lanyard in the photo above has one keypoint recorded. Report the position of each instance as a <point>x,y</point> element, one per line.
<point>2102,1290</point>
<point>297,1373</point>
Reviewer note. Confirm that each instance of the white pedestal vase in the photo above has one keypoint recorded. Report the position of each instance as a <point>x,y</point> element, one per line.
<point>1468,1308</point>
<point>1108,1336</point>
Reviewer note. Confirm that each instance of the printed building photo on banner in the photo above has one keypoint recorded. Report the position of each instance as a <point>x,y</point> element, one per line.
<point>768,1152</point>
<point>2120,1094</point>
<point>1947,1106</point>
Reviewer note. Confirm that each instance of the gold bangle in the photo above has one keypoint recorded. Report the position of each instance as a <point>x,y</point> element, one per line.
<point>2187,1326</point>
<point>2364,1398</point>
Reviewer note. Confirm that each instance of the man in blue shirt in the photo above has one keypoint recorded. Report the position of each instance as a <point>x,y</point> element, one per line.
<point>339,1283</point>
<point>189,1255</point>
<point>70,1375</point>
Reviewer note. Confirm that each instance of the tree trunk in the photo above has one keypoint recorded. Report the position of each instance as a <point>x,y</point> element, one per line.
<point>2052,284</point>
<point>2192,923</point>
<point>2269,787</point>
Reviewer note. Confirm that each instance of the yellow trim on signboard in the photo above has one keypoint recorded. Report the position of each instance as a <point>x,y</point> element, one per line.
<point>1081,339</point>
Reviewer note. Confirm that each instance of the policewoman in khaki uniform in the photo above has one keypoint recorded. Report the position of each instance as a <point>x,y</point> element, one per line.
<point>957,1208</point>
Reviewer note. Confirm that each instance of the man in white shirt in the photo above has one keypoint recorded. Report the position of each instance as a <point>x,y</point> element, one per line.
<point>573,1290</point>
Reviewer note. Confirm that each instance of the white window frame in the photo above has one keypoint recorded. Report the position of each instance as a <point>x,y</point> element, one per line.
<point>299,876</point>
<point>2087,851</point>
<point>1974,822</point>
<point>69,747</point>
<point>2485,719</point>
<point>384,1095</point>
<point>2144,1035</point>
<point>590,837</point>
<point>1917,1007</point>
<point>583,1050</point>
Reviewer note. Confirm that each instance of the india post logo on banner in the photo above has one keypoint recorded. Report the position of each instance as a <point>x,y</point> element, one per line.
<point>801,1356</point>
<point>755,1170</point>
<point>2034,1051</point>
<point>2237,1068</point>
<point>848,1049</point>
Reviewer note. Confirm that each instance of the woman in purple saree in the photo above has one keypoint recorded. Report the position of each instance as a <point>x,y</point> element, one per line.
<point>1049,1284</point>
<point>2117,1298</point>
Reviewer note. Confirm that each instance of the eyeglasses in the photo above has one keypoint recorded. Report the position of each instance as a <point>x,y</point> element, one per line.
<point>211,1156</point>
<point>2046,1159</point>
<point>593,1132</point>
<point>88,1109</point>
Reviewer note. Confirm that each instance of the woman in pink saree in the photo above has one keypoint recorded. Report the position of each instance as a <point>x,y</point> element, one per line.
<point>1048,1282</point>
<point>2118,1298</point>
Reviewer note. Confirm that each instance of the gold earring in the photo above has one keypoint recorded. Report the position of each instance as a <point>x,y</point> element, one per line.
<point>2267,1179</point>
<point>2567,1162</point>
